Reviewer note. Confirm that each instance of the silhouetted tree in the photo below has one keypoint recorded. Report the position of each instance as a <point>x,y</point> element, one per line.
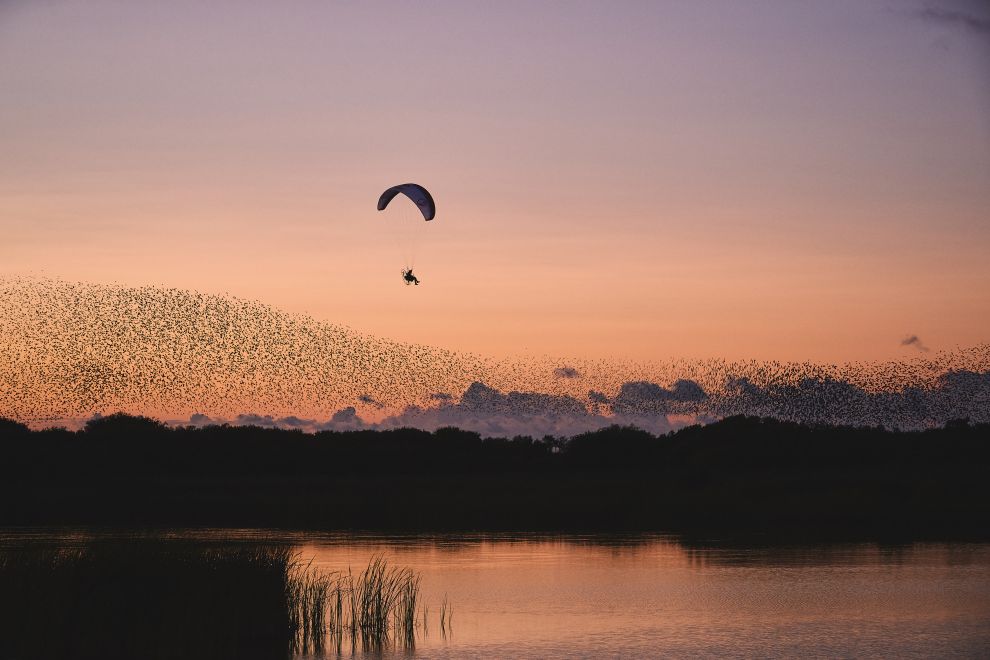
<point>120,425</point>
<point>11,429</point>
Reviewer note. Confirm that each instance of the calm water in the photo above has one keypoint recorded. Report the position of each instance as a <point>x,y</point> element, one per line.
<point>546,597</point>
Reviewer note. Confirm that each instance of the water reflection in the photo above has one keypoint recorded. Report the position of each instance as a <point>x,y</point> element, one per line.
<point>565,596</point>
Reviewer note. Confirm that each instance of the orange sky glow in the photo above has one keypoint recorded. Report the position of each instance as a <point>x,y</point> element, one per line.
<point>643,181</point>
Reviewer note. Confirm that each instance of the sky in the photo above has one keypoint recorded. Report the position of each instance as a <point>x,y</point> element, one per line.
<point>639,180</point>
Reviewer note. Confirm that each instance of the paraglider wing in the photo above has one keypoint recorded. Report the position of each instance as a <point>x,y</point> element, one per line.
<point>420,196</point>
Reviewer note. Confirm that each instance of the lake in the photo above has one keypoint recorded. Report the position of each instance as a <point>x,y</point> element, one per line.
<point>532,596</point>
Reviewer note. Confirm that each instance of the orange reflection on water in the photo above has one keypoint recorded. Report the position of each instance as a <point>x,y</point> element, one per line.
<point>544,597</point>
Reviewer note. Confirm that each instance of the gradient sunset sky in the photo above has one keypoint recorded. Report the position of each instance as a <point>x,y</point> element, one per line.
<point>769,180</point>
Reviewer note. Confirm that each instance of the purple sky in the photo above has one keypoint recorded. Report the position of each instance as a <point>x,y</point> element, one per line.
<point>793,180</point>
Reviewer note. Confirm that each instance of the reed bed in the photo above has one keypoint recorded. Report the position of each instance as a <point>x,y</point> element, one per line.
<point>378,608</point>
<point>172,599</point>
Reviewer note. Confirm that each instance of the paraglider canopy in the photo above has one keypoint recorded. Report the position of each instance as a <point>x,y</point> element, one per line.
<point>419,195</point>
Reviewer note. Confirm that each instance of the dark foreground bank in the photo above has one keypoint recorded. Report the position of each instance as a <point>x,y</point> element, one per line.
<point>761,476</point>
<point>175,599</point>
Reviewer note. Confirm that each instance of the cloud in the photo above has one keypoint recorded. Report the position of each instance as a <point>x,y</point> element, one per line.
<point>813,400</point>
<point>346,415</point>
<point>818,398</point>
<point>687,391</point>
<point>489,412</point>
<point>481,398</point>
<point>915,341</point>
<point>639,397</point>
<point>199,419</point>
<point>294,422</point>
<point>956,18</point>
<point>963,385</point>
<point>250,419</point>
<point>597,397</point>
<point>742,386</point>
<point>345,419</point>
<point>566,372</point>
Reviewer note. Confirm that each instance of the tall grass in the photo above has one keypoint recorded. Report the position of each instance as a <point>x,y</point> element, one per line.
<point>377,608</point>
<point>446,617</point>
<point>173,599</point>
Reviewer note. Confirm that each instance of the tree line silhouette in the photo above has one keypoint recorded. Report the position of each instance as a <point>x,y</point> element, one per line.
<point>741,473</point>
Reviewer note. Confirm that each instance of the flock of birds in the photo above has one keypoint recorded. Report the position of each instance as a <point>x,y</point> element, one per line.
<point>70,350</point>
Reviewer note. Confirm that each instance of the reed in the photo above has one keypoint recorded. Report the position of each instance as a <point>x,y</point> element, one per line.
<point>446,617</point>
<point>378,608</point>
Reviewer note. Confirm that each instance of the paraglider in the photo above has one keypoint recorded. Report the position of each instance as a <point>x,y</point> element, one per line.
<point>409,221</point>
<point>419,195</point>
